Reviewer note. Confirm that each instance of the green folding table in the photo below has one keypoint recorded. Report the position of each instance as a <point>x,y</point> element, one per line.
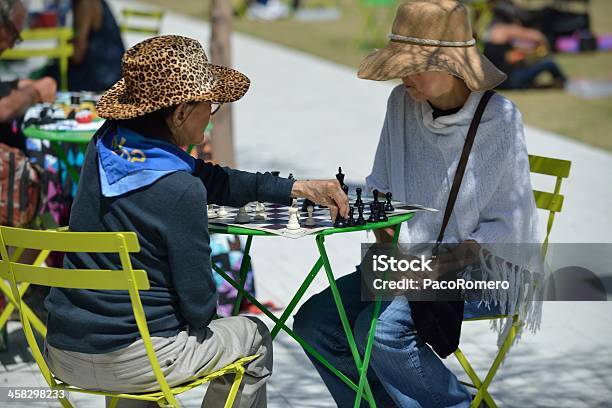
<point>57,138</point>
<point>362,387</point>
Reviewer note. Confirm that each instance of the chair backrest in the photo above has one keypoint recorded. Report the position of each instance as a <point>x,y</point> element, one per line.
<point>62,50</point>
<point>148,21</point>
<point>126,278</point>
<point>551,202</point>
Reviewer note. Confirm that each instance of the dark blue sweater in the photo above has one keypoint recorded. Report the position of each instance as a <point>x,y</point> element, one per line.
<point>170,220</point>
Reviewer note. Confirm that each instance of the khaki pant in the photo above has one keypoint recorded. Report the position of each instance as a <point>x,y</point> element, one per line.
<point>188,355</point>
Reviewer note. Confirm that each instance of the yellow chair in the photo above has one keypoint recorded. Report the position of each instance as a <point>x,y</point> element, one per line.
<point>62,51</point>
<point>553,203</point>
<point>126,278</point>
<point>154,17</point>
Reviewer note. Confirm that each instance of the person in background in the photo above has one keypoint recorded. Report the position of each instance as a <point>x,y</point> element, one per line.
<point>521,53</point>
<point>96,63</point>
<point>18,95</point>
<point>268,10</point>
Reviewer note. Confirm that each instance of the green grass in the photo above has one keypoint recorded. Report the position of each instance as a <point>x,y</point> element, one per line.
<point>346,42</point>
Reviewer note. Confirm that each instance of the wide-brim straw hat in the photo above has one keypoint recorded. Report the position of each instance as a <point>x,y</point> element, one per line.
<point>433,35</point>
<point>165,71</point>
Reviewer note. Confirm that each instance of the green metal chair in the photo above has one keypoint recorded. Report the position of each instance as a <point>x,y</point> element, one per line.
<point>553,203</point>
<point>62,50</point>
<point>153,20</point>
<point>121,243</point>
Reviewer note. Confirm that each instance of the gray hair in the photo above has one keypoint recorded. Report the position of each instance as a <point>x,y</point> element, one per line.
<point>6,9</point>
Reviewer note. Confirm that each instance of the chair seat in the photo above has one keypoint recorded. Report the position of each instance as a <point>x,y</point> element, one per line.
<point>156,395</point>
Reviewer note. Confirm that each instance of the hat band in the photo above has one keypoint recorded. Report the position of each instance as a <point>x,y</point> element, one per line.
<point>425,41</point>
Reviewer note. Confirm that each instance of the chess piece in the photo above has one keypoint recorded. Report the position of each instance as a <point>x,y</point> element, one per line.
<point>345,188</point>
<point>310,221</point>
<point>382,215</point>
<point>260,211</point>
<point>339,222</point>
<point>223,212</point>
<point>340,176</point>
<point>388,205</point>
<point>242,217</point>
<point>307,203</point>
<point>211,212</point>
<point>351,220</point>
<point>294,223</point>
<point>375,192</point>
<point>373,212</point>
<point>360,219</point>
<point>359,201</point>
<point>291,176</point>
<point>275,173</point>
<point>294,204</point>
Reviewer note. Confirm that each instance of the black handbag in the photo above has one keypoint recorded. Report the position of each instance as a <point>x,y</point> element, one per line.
<point>438,323</point>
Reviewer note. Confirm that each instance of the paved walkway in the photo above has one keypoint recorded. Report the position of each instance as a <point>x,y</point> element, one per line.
<point>308,116</point>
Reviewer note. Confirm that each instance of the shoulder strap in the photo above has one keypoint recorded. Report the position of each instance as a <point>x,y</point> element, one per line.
<point>465,154</point>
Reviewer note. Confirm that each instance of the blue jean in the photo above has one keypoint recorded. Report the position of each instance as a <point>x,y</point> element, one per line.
<point>404,371</point>
<point>523,77</point>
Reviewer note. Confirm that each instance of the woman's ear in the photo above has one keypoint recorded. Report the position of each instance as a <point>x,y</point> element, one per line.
<point>179,115</point>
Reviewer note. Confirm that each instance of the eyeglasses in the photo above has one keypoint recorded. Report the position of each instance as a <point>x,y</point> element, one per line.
<point>214,107</point>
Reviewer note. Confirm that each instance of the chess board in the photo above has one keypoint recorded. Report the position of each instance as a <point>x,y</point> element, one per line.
<point>277,217</point>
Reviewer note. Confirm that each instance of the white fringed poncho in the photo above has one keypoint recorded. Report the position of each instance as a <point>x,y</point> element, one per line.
<point>416,160</point>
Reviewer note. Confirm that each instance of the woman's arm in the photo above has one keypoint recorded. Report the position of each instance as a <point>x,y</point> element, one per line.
<point>188,244</point>
<point>87,14</point>
<point>236,188</point>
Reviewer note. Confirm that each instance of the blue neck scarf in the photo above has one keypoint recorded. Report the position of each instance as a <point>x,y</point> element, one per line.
<point>128,161</point>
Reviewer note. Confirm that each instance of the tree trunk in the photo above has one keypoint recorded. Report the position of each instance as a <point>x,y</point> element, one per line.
<point>220,52</point>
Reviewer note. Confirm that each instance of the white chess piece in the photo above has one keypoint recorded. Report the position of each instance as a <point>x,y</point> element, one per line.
<point>294,223</point>
<point>223,212</point>
<point>260,211</point>
<point>242,217</point>
<point>212,213</point>
<point>310,221</point>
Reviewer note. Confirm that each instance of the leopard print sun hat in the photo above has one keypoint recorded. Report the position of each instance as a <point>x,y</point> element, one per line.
<point>168,70</point>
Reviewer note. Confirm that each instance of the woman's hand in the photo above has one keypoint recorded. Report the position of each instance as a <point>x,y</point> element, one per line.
<point>325,192</point>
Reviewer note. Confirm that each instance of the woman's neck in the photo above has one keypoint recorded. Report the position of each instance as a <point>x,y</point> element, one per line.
<point>455,98</point>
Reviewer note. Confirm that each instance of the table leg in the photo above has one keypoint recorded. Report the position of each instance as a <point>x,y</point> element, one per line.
<point>345,324</point>
<point>244,268</point>
<point>281,324</point>
<point>296,298</point>
<point>61,155</point>
<point>371,333</point>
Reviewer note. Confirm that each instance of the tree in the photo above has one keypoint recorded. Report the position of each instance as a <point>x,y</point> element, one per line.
<point>220,53</point>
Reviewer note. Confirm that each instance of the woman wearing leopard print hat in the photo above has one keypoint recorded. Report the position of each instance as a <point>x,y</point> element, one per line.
<point>137,178</point>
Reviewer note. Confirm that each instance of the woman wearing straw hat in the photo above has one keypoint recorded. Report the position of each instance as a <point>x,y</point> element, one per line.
<point>136,178</point>
<point>444,80</point>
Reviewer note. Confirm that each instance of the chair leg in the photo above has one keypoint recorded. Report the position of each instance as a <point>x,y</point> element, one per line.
<point>65,403</point>
<point>235,386</point>
<point>113,402</point>
<point>482,389</point>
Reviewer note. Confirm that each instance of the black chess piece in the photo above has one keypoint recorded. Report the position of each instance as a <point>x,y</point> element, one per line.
<point>339,222</point>
<point>291,176</point>
<point>351,220</point>
<point>359,201</point>
<point>340,176</point>
<point>382,215</point>
<point>388,206</point>
<point>360,219</point>
<point>275,173</point>
<point>375,192</point>
<point>373,213</point>
<point>345,188</point>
